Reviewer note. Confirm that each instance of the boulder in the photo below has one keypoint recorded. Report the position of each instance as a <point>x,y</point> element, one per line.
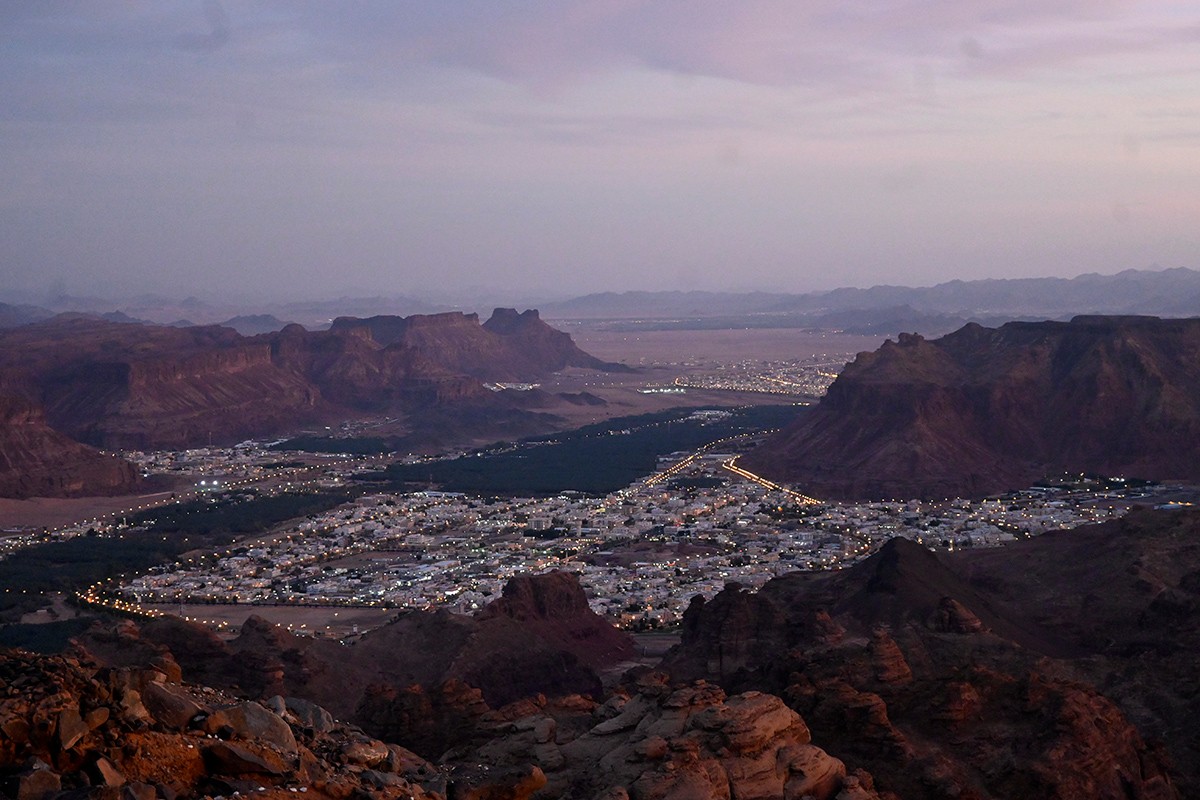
<point>105,773</point>
<point>309,715</point>
<point>365,752</point>
<point>227,758</point>
<point>170,705</point>
<point>35,783</point>
<point>251,721</point>
<point>953,617</point>
<point>71,728</point>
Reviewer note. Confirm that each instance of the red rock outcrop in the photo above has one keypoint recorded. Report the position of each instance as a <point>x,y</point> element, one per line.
<point>943,689</point>
<point>509,346</point>
<point>655,741</point>
<point>132,386</point>
<point>67,726</point>
<point>985,410</point>
<point>554,607</point>
<point>36,460</point>
<point>539,638</point>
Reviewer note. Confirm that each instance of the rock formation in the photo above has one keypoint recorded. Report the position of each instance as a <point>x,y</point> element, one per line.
<point>653,740</point>
<point>985,410</point>
<point>71,729</point>
<point>438,669</point>
<point>509,346</point>
<point>133,386</point>
<point>1023,671</point>
<point>36,460</point>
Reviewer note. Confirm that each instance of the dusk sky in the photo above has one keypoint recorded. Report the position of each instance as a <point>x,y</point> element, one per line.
<point>541,149</point>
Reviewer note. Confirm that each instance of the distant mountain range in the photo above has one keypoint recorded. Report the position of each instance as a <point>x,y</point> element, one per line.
<point>890,309</point>
<point>931,310</point>
<point>246,319</point>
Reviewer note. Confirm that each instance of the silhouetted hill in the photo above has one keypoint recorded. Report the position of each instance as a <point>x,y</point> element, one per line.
<point>13,315</point>
<point>254,324</point>
<point>932,310</point>
<point>984,410</point>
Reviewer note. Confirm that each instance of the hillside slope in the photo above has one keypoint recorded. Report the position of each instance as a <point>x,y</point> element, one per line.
<point>984,410</point>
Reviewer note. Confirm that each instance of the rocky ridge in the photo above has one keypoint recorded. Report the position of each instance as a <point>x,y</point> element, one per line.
<point>422,680</point>
<point>132,386</point>
<point>654,740</point>
<point>986,410</point>
<point>993,674</point>
<point>72,729</point>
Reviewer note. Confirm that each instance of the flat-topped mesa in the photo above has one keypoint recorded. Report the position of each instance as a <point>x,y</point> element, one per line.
<point>985,410</point>
<point>510,346</point>
<point>508,320</point>
<point>388,329</point>
<point>135,386</point>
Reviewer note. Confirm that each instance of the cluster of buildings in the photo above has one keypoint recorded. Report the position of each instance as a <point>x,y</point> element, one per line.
<point>808,377</point>
<point>246,460</point>
<point>642,553</point>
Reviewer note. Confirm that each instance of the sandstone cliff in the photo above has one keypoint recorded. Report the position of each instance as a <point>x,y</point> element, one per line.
<point>36,460</point>
<point>133,386</point>
<point>985,410</point>
<point>510,346</point>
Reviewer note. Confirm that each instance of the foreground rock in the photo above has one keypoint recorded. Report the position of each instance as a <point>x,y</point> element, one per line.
<point>422,680</point>
<point>944,687</point>
<point>69,729</point>
<point>126,733</point>
<point>654,741</point>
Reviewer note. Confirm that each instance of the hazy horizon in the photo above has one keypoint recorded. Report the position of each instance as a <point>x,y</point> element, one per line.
<point>306,150</point>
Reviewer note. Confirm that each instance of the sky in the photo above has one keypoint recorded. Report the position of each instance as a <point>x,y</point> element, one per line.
<point>550,148</point>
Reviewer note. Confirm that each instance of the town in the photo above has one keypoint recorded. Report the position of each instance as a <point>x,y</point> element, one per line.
<point>642,553</point>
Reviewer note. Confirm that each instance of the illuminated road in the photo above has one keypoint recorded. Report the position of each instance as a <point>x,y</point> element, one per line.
<point>680,466</point>
<point>802,499</point>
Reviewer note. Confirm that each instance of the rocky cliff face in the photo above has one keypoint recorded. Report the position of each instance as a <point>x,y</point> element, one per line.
<point>36,460</point>
<point>139,386</point>
<point>509,346</point>
<point>992,674</point>
<point>985,410</point>
<point>132,386</point>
